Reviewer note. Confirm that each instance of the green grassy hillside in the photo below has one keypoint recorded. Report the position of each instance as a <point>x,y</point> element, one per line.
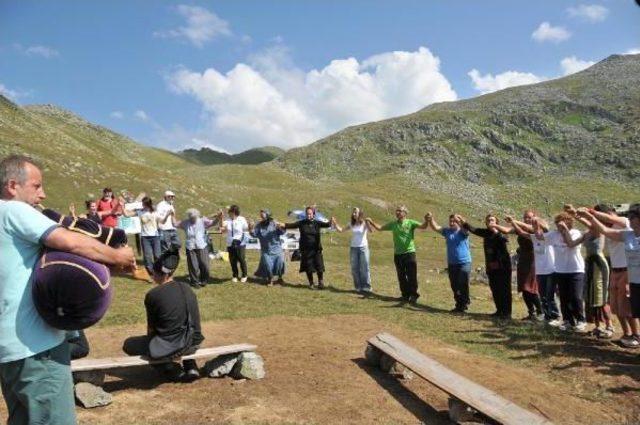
<point>573,137</point>
<point>207,156</point>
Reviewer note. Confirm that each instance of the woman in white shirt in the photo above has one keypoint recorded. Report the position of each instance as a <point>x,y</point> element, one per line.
<point>359,251</point>
<point>149,236</point>
<point>569,271</point>
<point>236,227</point>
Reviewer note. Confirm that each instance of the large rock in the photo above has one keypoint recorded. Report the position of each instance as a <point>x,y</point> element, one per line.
<point>89,395</point>
<point>372,355</point>
<point>220,366</point>
<point>392,367</point>
<point>250,365</point>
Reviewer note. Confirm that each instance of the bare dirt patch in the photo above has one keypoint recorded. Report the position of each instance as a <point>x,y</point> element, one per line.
<point>316,374</point>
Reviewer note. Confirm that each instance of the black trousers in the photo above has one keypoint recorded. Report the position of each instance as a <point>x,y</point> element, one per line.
<point>571,289</point>
<point>139,346</point>
<point>407,269</point>
<point>79,346</point>
<point>459,277</point>
<point>532,301</point>
<point>500,285</point>
<point>198,265</point>
<point>237,256</point>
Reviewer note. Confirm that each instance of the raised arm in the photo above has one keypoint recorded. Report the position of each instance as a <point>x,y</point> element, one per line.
<point>432,222</point>
<point>373,224</point>
<point>518,228</point>
<point>614,234</point>
<point>566,236</point>
<point>336,225</point>
<point>425,224</point>
<point>612,219</point>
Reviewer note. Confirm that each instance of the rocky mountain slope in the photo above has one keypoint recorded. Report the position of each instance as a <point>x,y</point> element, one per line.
<point>585,124</point>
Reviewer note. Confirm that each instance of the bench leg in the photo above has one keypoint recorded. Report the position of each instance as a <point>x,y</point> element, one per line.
<point>461,413</point>
<point>372,355</point>
<point>392,367</point>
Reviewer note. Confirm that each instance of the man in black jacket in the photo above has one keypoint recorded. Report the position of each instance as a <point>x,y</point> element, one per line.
<point>173,322</point>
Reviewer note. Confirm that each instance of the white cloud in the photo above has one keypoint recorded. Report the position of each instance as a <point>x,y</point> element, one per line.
<point>141,115</point>
<point>7,92</point>
<point>589,12</point>
<point>201,26</point>
<point>14,94</point>
<point>118,115</point>
<point>635,51</point>
<point>42,51</point>
<point>489,83</point>
<point>547,32</point>
<point>271,102</point>
<point>571,65</point>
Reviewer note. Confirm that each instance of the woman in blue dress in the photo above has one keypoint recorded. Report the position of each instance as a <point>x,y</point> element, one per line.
<point>268,233</point>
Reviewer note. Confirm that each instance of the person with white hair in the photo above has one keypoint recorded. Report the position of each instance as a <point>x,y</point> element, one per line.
<point>404,249</point>
<point>167,229</point>
<point>196,243</point>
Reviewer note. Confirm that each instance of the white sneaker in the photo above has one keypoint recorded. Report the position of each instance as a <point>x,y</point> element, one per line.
<point>629,342</point>
<point>555,323</point>
<point>580,327</point>
<point>244,279</point>
<point>565,326</point>
<point>235,279</point>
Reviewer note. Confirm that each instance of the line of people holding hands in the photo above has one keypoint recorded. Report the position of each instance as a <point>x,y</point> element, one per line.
<point>549,261</point>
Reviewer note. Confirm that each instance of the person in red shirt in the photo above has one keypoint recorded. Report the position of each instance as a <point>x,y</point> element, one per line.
<point>108,208</point>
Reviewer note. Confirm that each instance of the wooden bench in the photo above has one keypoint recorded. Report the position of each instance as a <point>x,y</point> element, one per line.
<point>474,395</point>
<point>84,365</point>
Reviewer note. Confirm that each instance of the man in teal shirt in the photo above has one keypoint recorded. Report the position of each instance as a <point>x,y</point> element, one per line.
<point>34,357</point>
<point>404,249</point>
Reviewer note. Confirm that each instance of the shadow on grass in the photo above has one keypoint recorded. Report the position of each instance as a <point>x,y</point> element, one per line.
<point>403,395</point>
<point>580,351</point>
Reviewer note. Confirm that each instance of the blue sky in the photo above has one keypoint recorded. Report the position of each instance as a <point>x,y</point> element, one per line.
<point>239,74</point>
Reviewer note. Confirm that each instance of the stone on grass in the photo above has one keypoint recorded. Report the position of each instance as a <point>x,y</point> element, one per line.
<point>220,366</point>
<point>372,355</point>
<point>94,377</point>
<point>392,367</point>
<point>250,365</point>
<point>89,395</point>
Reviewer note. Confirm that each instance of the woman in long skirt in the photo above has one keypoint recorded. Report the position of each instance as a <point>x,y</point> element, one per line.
<point>311,260</point>
<point>272,262</point>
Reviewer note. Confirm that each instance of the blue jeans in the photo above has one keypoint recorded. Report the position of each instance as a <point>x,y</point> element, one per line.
<point>459,276</point>
<point>150,251</point>
<point>39,389</point>
<point>168,238</point>
<point>547,289</point>
<point>360,268</point>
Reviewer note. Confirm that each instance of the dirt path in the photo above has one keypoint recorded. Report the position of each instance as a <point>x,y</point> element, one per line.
<point>316,374</point>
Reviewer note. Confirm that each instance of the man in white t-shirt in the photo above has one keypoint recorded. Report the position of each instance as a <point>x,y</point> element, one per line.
<point>236,227</point>
<point>34,357</point>
<point>167,229</point>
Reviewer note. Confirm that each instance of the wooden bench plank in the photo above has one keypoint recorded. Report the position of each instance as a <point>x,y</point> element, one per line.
<point>82,365</point>
<point>480,398</point>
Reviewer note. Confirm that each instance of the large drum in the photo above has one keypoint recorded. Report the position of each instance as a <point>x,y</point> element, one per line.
<point>71,292</point>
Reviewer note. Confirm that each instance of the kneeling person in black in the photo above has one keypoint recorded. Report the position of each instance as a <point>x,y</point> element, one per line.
<point>173,322</point>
